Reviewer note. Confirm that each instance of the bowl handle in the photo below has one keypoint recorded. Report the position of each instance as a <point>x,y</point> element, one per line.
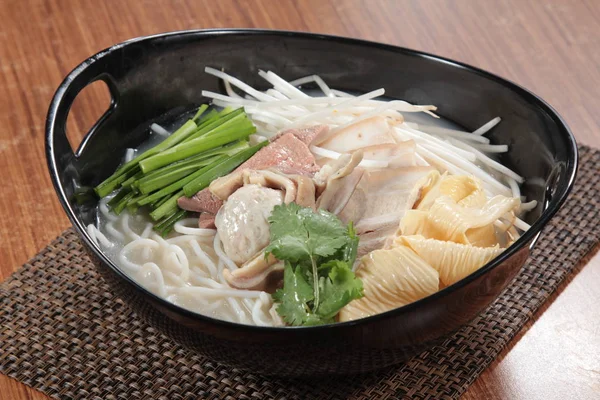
<point>60,156</point>
<point>56,122</point>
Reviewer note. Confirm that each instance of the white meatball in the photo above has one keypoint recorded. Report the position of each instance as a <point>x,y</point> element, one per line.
<point>242,223</point>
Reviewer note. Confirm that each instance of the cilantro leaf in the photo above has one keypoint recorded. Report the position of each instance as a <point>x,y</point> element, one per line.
<point>326,233</point>
<point>293,298</point>
<point>337,289</point>
<point>299,233</point>
<point>289,236</point>
<point>319,252</point>
<point>348,252</point>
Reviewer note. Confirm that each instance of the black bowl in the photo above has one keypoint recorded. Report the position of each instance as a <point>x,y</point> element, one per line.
<point>163,75</point>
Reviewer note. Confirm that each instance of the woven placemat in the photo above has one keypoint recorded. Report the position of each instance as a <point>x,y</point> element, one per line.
<point>63,332</point>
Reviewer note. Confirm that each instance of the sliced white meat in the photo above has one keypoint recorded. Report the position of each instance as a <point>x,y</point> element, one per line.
<point>340,183</point>
<point>368,132</point>
<point>383,196</point>
<point>271,179</point>
<point>259,273</point>
<point>225,186</point>
<point>401,154</point>
<point>376,239</point>
<point>305,191</point>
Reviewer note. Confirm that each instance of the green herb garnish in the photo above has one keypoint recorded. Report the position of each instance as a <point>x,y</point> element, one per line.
<point>319,252</point>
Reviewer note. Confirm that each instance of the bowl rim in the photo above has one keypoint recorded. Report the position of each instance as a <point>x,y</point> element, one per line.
<point>530,236</point>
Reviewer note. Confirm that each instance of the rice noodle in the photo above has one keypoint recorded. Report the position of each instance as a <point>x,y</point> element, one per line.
<point>147,230</point>
<point>204,259</point>
<point>252,294</point>
<point>151,269</point>
<point>97,236</point>
<point>221,254</point>
<point>183,269</point>
<point>104,211</point>
<point>110,228</point>
<point>183,228</point>
<point>125,225</point>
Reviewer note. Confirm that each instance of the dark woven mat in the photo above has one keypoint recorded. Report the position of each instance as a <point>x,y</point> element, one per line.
<point>62,331</point>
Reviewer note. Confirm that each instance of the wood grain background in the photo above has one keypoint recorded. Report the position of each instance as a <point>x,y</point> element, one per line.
<point>550,47</point>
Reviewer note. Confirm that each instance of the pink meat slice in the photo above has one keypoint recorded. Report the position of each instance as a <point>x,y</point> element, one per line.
<point>203,201</point>
<point>206,221</point>
<point>305,135</point>
<point>287,153</point>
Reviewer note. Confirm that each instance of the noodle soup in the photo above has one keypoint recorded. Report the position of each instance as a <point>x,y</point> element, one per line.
<point>405,203</point>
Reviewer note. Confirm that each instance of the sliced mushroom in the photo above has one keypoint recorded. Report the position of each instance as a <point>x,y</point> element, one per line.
<point>259,273</point>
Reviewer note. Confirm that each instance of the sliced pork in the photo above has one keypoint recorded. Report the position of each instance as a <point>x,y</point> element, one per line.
<point>203,201</point>
<point>287,154</point>
<point>306,135</point>
<point>207,221</point>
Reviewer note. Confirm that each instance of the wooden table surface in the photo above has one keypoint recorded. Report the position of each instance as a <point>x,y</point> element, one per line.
<point>551,47</point>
